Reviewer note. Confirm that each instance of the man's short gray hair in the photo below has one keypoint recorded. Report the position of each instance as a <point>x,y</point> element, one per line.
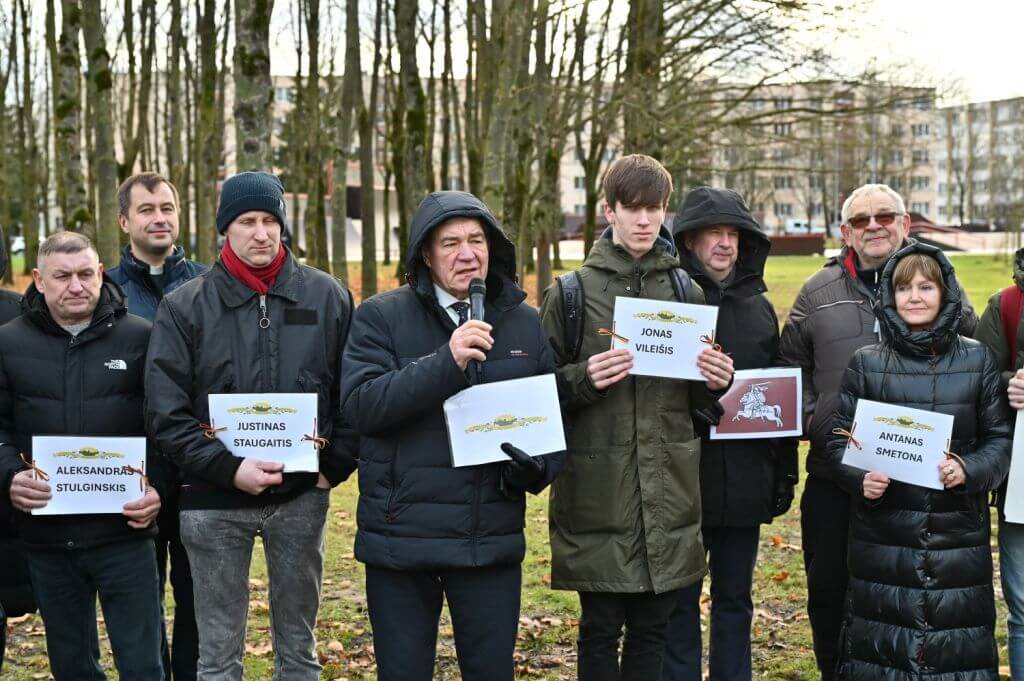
<point>64,242</point>
<point>866,189</point>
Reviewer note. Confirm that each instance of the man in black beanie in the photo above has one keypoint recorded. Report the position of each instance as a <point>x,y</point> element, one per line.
<point>257,322</point>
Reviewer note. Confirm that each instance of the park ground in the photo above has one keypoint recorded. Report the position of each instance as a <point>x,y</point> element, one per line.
<point>546,648</point>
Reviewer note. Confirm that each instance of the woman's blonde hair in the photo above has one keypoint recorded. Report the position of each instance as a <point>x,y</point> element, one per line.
<point>914,263</point>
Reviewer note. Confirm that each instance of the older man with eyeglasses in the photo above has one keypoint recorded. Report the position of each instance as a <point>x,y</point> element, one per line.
<point>831,319</point>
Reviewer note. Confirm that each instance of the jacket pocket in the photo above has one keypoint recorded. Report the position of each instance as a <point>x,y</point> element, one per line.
<point>596,490</point>
<point>681,487</point>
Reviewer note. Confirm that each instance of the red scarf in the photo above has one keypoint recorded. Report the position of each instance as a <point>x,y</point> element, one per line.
<point>259,279</point>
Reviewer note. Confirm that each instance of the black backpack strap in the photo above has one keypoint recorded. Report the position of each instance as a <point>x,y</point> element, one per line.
<point>682,285</point>
<point>573,304</point>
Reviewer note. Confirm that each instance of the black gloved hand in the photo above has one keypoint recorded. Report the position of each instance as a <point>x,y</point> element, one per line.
<point>783,498</point>
<point>522,473</point>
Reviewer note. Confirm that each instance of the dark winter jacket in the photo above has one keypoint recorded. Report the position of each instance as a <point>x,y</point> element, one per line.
<point>625,512</point>
<point>920,602</point>
<point>207,338</point>
<point>990,332</point>
<point>417,512</point>
<point>15,587</point>
<point>832,318</point>
<point>738,478</point>
<point>53,383</point>
<point>132,275</point>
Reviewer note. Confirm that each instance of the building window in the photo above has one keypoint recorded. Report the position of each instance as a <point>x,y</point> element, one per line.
<point>609,155</point>
<point>920,182</point>
<point>782,128</point>
<point>922,207</point>
<point>816,181</point>
<point>579,182</point>
<point>783,103</point>
<point>923,103</point>
<point>783,181</point>
<point>896,130</point>
<point>784,209</point>
<point>896,182</point>
<point>919,130</point>
<point>896,156</point>
<point>281,94</point>
<point>580,209</point>
<point>920,156</point>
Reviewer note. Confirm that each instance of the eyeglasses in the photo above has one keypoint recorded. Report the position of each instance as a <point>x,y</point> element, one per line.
<point>884,219</point>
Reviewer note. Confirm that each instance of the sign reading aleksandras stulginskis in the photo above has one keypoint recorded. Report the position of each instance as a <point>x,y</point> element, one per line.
<point>90,474</point>
<point>906,444</point>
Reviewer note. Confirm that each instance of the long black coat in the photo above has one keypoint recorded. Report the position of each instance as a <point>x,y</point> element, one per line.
<point>737,477</point>
<point>54,384</point>
<point>417,512</point>
<point>920,600</point>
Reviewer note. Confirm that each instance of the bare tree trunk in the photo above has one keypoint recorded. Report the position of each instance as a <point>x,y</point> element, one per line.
<point>413,101</point>
<point>351,87</point>
<point>68,121</point>
<point>207,155</point>
<point>29,146</point>
<point>54,77</point>
<point>446,100</point>
<point>316,234</point>
<point>253,88</point>
<point>643,61</point>
<point>140,114</point>
<point>6,205</point>
<point>105,163</point>
<point>367,116</point>
<point>176,167</point>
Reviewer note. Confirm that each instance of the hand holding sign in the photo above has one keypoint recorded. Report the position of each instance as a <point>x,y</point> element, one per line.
<point>875,485</point>
<point>254,476</point>
<point>607,368</point>
<point>716,367</point>
<point>27,493</point>
<point>142,512</point>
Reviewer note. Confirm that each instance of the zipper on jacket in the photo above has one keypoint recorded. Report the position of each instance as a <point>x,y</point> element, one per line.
<point>476,511</point>
<point>264,324</point>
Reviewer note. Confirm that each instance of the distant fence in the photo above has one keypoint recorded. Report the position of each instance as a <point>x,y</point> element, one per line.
<point>798,244</point>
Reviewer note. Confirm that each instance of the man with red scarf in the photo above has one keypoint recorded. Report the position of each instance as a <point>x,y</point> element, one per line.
<point>257,322</point>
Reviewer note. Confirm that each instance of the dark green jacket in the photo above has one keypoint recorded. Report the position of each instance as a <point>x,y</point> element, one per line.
<point>625,511</point>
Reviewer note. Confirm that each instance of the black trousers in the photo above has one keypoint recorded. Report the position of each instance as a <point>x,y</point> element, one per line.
<point>824,525</point>
<point>405,607</point>
<point>182,655</point>
<point>645,618</point>
<point>732,553</point>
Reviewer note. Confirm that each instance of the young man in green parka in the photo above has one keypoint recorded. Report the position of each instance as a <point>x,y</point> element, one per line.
<point>625,511</point>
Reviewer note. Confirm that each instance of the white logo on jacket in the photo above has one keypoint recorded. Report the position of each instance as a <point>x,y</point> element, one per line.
<point>116,364</point>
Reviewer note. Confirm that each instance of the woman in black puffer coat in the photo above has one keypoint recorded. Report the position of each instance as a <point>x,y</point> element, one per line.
<point>920,602</point>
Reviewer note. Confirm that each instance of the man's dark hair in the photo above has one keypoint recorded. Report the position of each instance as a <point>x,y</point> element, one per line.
<point>148,180</point>
<point>637,180</point>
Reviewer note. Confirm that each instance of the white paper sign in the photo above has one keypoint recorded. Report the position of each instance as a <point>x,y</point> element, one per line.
<point>271,426</point>
<point>906,444</point>
<point>761,403</point>
<point>523,411</point>
<point>88,474</point>
<point>1014,505</point>
<point>664,337</point>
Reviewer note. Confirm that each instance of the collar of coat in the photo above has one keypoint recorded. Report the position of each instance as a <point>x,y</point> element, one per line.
<point>611,257</point>
<point>137,269</point>
<point>111,304</point>
<point>235,294</point>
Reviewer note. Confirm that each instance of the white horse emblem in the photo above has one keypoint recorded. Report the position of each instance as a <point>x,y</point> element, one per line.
<point>754,407</point>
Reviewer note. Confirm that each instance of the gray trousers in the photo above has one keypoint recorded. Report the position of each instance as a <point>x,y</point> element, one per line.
<point>219,544</point>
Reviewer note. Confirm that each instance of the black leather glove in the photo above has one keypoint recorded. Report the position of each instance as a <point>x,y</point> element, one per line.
<point>783,497</point>
<point>709,415</point>
<point>522,473</point>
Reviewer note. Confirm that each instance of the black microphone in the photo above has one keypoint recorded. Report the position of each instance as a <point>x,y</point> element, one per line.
<point>477,293</point>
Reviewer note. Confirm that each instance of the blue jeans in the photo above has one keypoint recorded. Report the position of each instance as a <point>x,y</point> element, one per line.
<point>1011,569</point>
<point>219,544</point>
<point>732,554</point>
<point>124,576</point>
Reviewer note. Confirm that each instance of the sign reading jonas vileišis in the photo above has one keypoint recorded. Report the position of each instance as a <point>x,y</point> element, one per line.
<point>276,427</point>
<point>664,337</point>
<point>906,444</point>
<point>90,474</point>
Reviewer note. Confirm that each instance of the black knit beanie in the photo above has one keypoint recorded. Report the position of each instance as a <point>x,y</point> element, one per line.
<point>251,190</point>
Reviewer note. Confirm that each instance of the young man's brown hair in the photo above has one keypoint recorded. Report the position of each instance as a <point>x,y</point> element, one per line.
<point>637,180</point>
<point>150,181</point>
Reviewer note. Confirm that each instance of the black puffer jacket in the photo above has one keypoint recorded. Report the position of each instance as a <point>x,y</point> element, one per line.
<point>52,383</point>
<point>737,477</point>
<point>417,512</point>
<point>920,601</point>
<point>207,339</point>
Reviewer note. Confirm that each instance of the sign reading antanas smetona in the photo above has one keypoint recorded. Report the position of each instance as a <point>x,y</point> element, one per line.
<point>90,474</point>
<point>276,427</point>
<point>906,444</point>
<point>664,337</point>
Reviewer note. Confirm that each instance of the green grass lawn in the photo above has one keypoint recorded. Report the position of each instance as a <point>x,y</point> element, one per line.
<point>782,640</point>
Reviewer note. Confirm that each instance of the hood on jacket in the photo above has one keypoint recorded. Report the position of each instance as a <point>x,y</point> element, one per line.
<point>706,207</point>
<point>438,207</point>
<point>111,301</point>
<point>945,327</point>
